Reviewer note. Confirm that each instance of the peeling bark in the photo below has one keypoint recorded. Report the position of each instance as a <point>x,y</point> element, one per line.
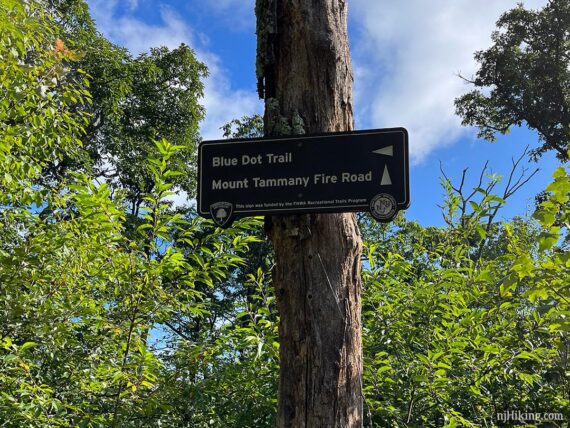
<point>305,75</point>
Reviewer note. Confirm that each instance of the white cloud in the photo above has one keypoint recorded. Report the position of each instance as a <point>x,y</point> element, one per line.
<point>407,57</point>
<point>138,36</point>
<point>236,14</point>
<point>180,199</point>
<point>133,4</point>
<point>222,102</point>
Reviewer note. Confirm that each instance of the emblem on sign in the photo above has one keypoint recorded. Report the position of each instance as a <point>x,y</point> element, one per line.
<point>383,207</point>
<point>222,212</point>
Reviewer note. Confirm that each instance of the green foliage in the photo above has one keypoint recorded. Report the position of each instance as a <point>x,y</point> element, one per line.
<point>226,360</point>
<point>139,100</point>
<point>525,78</point>
<point>36,91</point>
<point>246,127</point>
<point>466,321</point>
<point>89,296</point>
<point>135,100</point>
<point>226,373</point>
<point>81,292</point>
<point>119,311</point>
<point>549,275</point>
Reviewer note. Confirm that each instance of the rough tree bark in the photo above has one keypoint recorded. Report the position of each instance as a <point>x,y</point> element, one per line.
<point>305,76</point>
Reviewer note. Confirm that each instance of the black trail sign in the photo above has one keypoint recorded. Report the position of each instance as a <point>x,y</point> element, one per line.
<point>340,172</point>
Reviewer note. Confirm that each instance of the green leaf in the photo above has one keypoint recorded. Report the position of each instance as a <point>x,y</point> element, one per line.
<point>27,345</point>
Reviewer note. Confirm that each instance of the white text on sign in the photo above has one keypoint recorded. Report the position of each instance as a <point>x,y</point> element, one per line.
<point>269,158</point>
<point>259,182</point>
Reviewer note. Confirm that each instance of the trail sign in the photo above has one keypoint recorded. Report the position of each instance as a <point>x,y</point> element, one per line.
<point>340,172</point>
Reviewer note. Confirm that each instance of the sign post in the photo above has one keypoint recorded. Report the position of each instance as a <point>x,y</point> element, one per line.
<point>340,172</point>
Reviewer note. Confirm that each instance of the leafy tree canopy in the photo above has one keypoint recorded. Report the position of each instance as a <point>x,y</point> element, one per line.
<point>135,100</point>
<point>83,286</point>
<point>524,77</point>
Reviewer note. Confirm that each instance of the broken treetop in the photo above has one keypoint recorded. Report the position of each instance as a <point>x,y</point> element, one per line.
<point>350,171</point>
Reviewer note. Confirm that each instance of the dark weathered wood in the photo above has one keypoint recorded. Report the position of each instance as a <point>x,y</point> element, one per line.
<point>305,76</point>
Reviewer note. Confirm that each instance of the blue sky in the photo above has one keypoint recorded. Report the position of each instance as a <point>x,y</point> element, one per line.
<point>406,58</point>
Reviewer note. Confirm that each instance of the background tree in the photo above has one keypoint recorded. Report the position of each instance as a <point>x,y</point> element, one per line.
<point>37,93</point>
<point>135,100</point>
<point>223,364</point>
<point>82,293</point>
<point>525,78</point>
<point>460,321</point>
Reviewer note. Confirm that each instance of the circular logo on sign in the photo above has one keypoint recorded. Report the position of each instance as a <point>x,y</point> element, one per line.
<point>383,207</point>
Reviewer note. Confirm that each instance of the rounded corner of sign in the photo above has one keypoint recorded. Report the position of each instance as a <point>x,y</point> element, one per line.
<point>205,143</point>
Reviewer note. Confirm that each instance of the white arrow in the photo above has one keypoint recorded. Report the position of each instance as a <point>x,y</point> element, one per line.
<point>388,151</point>
<point>386,180</point>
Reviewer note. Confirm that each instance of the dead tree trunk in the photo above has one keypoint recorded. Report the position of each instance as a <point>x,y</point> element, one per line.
<point>305,76</point>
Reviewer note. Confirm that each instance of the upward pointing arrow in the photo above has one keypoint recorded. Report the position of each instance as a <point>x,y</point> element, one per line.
<point>386,180</point>
<point>388,151</point>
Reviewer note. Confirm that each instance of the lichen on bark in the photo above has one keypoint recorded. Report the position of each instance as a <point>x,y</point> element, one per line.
<point>266,30</point>
<point>277,124</point>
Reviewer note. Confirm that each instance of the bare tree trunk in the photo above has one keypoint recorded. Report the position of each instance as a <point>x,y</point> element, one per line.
<point>305,76</point>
